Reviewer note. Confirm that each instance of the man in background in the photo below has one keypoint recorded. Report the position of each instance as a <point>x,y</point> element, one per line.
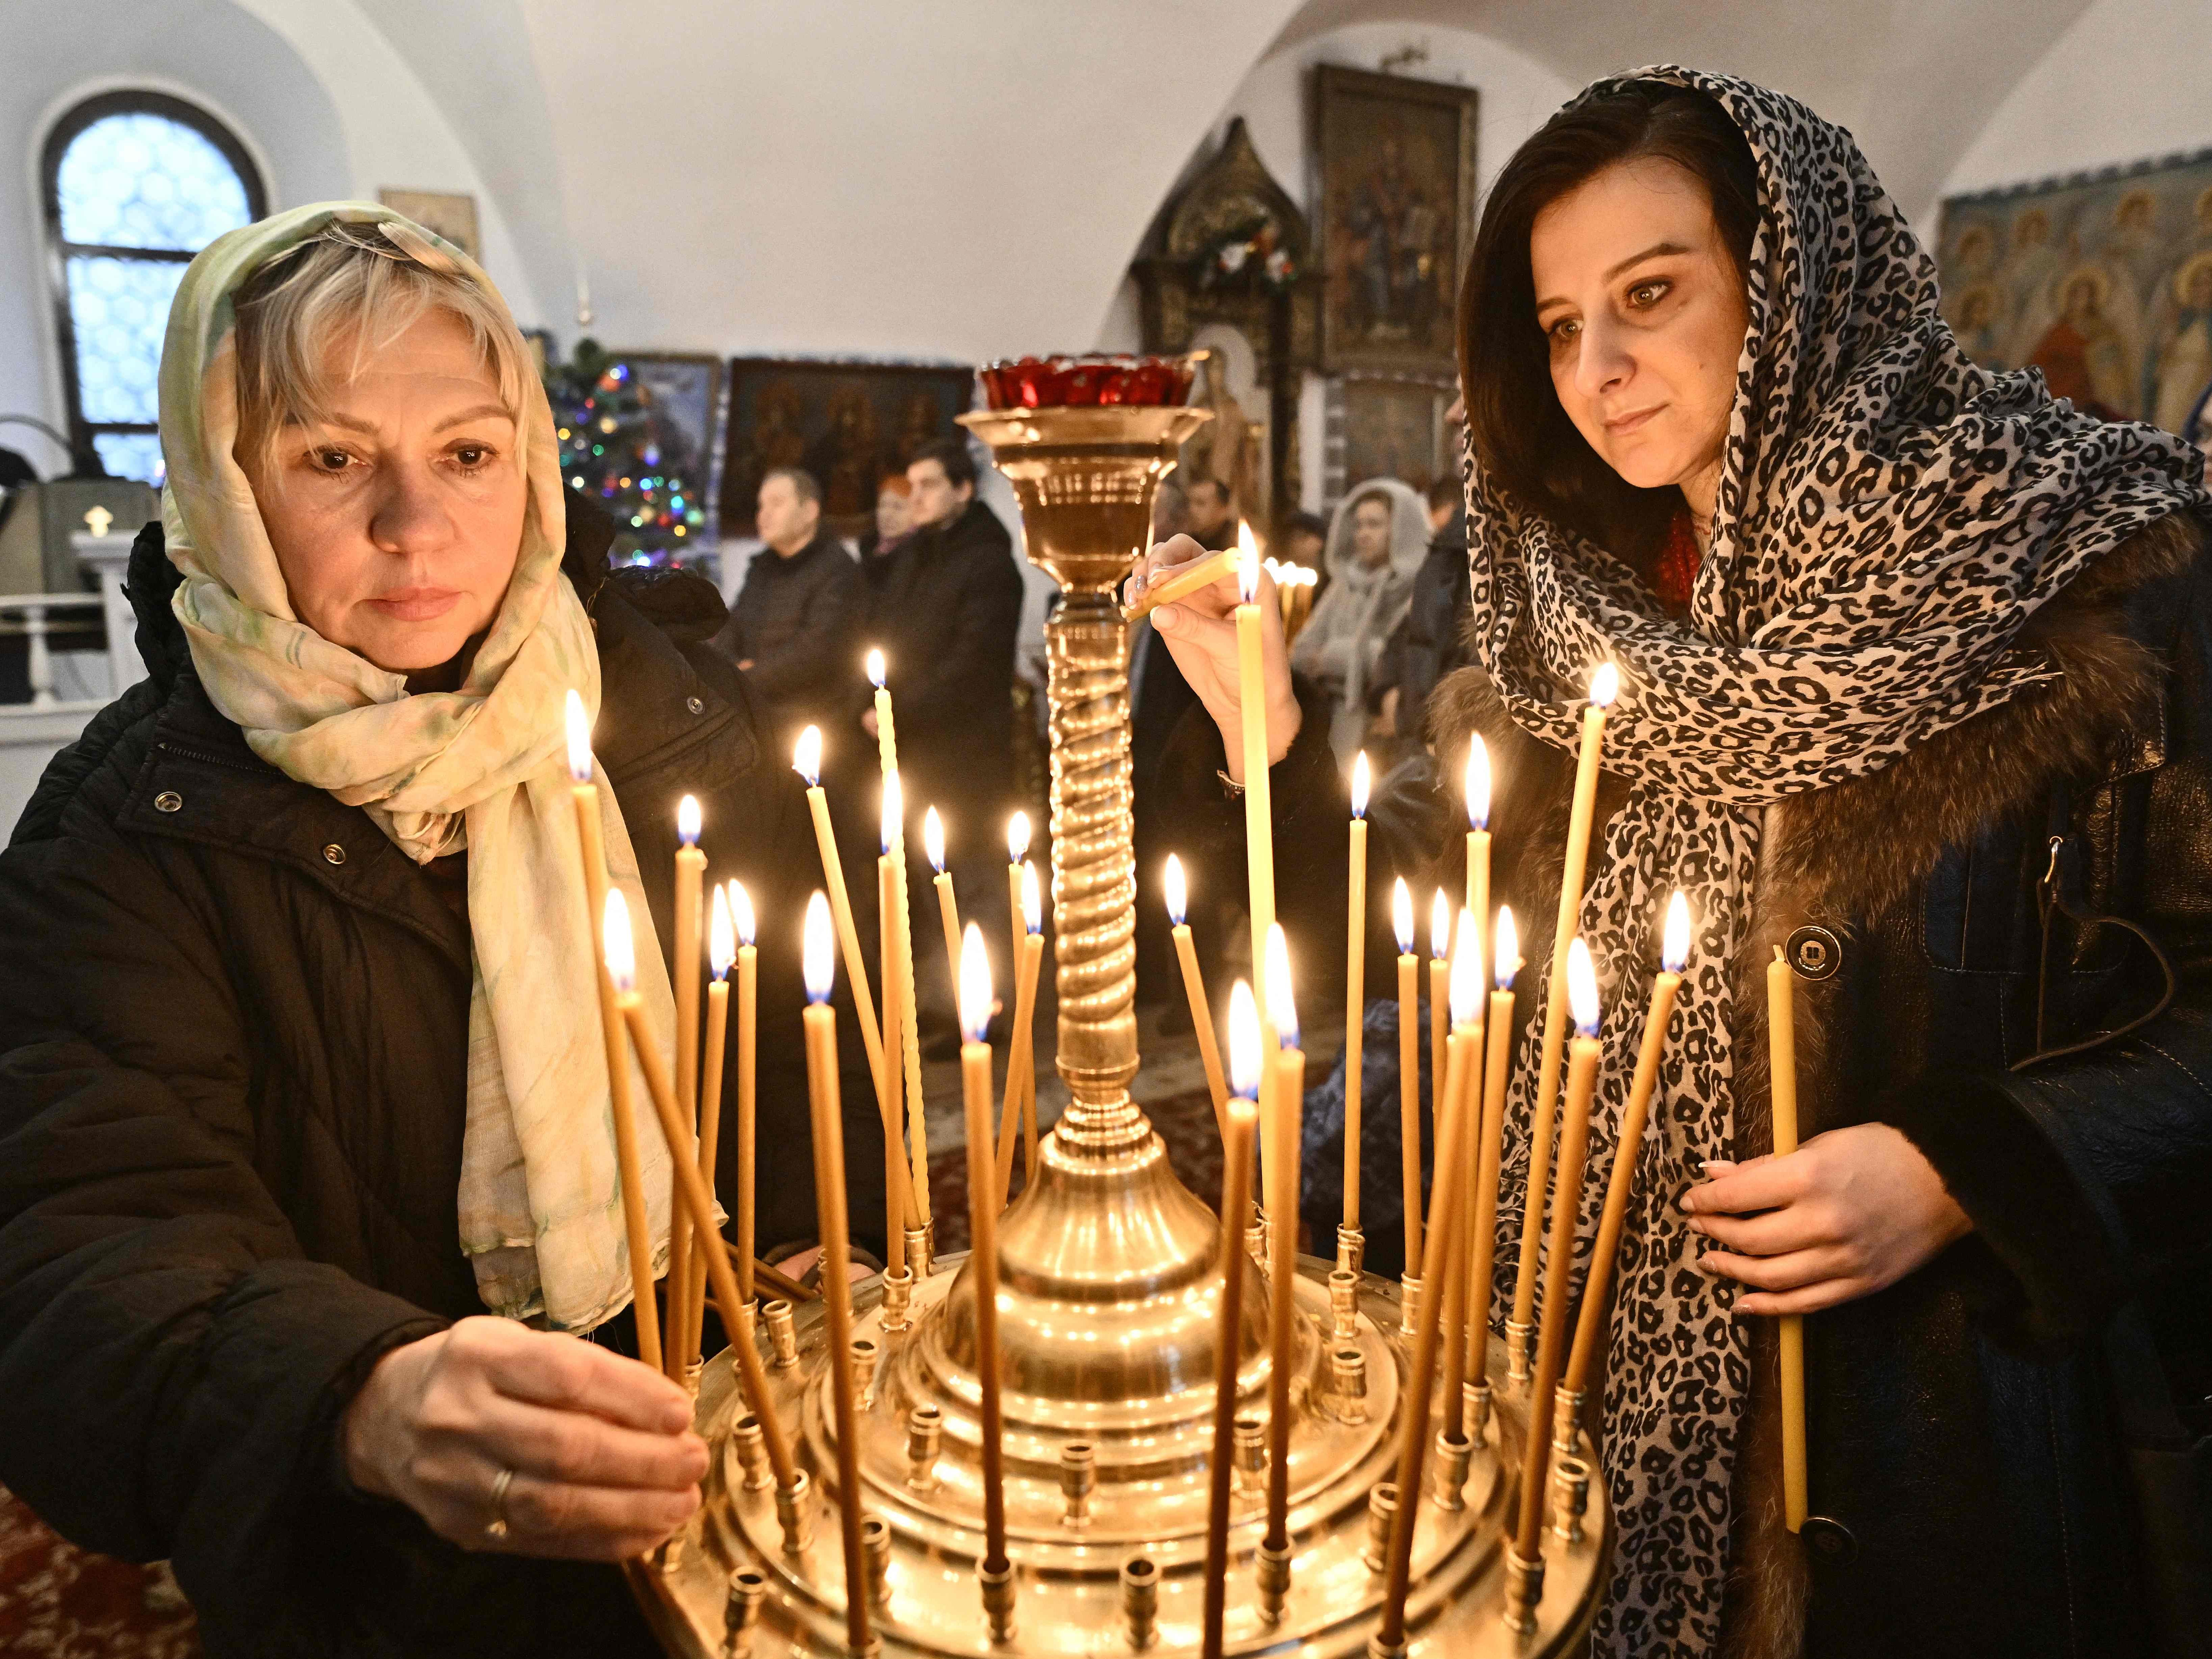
<point>1212,513</point>
<point>792,629</point>
<point>945,606</point>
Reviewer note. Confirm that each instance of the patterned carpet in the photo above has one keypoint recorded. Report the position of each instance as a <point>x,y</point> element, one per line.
<point>58,1601</point>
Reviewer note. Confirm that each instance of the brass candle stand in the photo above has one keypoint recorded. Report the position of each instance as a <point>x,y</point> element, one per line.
<point>1108,1288</point>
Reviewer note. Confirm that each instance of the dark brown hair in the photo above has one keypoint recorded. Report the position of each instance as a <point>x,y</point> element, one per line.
<point>1514,420</point>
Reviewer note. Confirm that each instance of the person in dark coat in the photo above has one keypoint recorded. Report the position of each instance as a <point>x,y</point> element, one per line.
<point>791,632</point>
<point>944,607</point>
<point>1916,673</point>
<point>255,1180</point>
<point>1427,643</point>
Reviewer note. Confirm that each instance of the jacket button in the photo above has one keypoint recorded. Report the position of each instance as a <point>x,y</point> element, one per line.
<point>1831,1541</point>
<point>333,853</point>
<point>1814,952</point>
<point>696,705</point>
<point>168,801</point>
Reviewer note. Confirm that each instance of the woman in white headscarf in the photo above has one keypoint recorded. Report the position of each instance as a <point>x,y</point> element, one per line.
<point>1376,545</point>
<point>310,1179</point>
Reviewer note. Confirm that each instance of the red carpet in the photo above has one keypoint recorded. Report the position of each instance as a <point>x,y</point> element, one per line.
<point>59,1602</point>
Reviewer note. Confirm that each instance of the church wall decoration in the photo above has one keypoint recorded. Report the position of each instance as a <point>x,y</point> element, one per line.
<point>640,436</point>
<point>1383,426</point>
<point>2102,280</point>
<point>848,423</point>
<point>1396,220</point>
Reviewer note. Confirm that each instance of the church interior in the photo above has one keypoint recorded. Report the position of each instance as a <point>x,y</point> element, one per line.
<point>881,342</point>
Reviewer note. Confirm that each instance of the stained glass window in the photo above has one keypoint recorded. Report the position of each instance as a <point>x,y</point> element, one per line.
<point>137,183</point>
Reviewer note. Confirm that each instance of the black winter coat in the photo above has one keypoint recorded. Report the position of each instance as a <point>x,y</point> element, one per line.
<point>234,1025</point>
<point>794,623</point>
<point>1966,1448</point>
<point>1425,646</point>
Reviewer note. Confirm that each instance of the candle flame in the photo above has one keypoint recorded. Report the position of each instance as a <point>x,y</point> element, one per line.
<point>1675,952</point>
<point>819,963</point>
<point>876,669</point>
<point>687,820</point>
<point>1178,895</point>
<point>1401,916</point>
<point>1467,972</point>
<point>579,739</point>
<point>932,839</point>
<point>1505,950</point>
<point>741,910</point>
<point>1282,1006</point>
<point>722,936</point>
<point>975,985</point>
<point>1605,685</point>
<point>1243,1042</point>
<point>1360,786</point>
<point>615,942</point>
<point>1477,784</point>
<point>1248,564</point>
<point>1018,837</point>
<point>894,810</point>
<point>1439,927</point>
<point>806,755</point>
<point>1582,986</point>
<point>1032,899</point>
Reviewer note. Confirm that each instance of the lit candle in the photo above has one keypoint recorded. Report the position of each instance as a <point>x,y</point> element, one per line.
<point>806,760</point>
<point>721,957</point>
<point>1462,1068</point>
<point>1437,1269</point>
<point>826,1118</point>
<point>1477,828</point>
<point>1285,1107</point>
<point>1194,990</point>
<point>1021,1060</point>
<point>583,795</point>
<point>690,1190</point>
<point>1245,1063</point>
<point>948,907</point>
<point>1782,1059</point>
<point>908,1053</point>
<point>1574,1139</point>
<point>983,1224</point>
<point>690,870</point>
<point>1598,1289</point>
<point>1605,685</point>
<point>1252,701</point>
<point>741,909</point>
<point>1504,962</point>
<point>1355,1007</point>
<point>1409,1078</point>
<point>886,736</point>
<point>1440,923</point>
<point>892,1103</point>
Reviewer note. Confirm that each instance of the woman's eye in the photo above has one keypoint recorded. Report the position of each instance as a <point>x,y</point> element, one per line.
<point>1647,293</point>
<point>473,457</point>
<point>329,461</point>
<point>1565,330</point>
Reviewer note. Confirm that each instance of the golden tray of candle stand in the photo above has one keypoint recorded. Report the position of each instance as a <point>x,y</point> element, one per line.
<point>1108,1303</point>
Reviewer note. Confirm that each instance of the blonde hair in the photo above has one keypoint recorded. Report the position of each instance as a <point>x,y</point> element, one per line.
<point>363,285</point>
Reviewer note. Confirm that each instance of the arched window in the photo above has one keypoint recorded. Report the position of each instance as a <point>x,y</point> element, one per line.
<point>136,184</point>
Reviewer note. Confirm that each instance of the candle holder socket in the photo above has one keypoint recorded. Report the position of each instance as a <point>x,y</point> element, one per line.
<point>876,1551</point>
<point>1570,1482</point>
<point>925,1429</point>
<point>1381,1512</point>
<point>1409,1306</point>
<point>791,1513</point>
<point>898,1300</point>
<point>1344,1302</point>
<point>1251,1455</point>
<point>1524,1590</point>
<point>1078,1472</point>
<point>1255,1243</point>
<point>669,1556</point>
<point>1566,1417</point>
<point>1516,1351</point>
<point>782,1335</point>
<point>1453,1453</point>
<point>692,1372</point>
<point>1379,1649</point>
<point>998,1586</point>
<point>741,1611</point>
<point>752,1453</point>
<point>1347,1370</point>
<point>864,1355</point>
<point>1273,1565</point>
<point>1140,1600</point>
<point>1477,1405</point>
<point>1351,1252</point>
<point>918,1255</point>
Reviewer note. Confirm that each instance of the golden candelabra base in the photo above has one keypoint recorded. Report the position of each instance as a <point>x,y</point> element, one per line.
<point>1110,1286</point>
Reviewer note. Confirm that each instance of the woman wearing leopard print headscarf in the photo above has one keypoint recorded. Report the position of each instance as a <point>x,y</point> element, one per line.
<point>1917,685</point>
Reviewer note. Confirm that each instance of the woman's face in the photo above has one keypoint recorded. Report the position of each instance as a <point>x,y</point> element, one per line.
<point>1644,312</point>
<point>1370,532</point>
<point>894,514</point>
<point>397,521</point>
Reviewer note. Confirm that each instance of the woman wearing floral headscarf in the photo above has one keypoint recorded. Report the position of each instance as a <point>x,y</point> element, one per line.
<point>299,1062</point>
<point>1917,680</point>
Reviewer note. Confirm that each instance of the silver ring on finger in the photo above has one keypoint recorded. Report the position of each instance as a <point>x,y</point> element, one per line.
<point>496,1527</point>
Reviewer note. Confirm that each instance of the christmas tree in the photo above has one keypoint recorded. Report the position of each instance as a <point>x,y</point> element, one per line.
<point>612,454</point>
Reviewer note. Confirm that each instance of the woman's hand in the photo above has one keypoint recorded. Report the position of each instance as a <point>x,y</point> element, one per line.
<point>1201,632</point>
<point>605,1464</point>
<point>1847,1214</point>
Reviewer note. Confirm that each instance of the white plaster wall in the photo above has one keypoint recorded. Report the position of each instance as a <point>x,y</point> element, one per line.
<point>2127,81</point>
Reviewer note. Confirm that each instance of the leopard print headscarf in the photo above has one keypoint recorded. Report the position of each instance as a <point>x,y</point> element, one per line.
<point>1889,515</point>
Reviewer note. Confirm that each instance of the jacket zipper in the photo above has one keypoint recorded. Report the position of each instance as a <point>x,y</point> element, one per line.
<point>186,752</point>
